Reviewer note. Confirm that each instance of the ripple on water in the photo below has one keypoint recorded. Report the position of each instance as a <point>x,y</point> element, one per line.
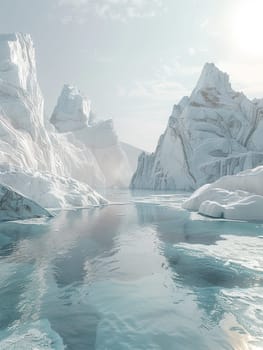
<point>146,275</point>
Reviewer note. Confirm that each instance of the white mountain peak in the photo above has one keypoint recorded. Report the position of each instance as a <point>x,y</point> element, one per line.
<point>18,82</point>
<point>213,78</point>
<point>72,111</point>
<point>215,132</point>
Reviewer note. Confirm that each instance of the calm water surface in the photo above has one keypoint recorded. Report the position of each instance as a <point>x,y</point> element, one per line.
<point>140,274</point>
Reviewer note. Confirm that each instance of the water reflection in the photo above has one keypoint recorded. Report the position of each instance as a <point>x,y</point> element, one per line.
<point>96,231</point>
<point>11,233</point>
<point>175,226</point>
<point>43,258</point>
<point>134,276</point>
<point>207,276</point>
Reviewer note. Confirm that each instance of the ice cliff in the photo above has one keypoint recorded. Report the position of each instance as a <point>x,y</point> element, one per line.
<point>214,132</point>
<point>28,146</point>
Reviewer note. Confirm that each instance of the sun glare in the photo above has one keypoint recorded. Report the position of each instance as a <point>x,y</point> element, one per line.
<point>248,27</point>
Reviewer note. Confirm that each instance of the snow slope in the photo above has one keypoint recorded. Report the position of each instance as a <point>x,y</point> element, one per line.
<point>214,132</point>
<point>14,206</point>
<point>237,197</point>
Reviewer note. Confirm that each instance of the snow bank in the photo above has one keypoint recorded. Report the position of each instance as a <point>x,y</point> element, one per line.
<point>238,197</point>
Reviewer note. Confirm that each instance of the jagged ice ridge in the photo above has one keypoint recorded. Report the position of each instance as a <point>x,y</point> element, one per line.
<point>214,132</point>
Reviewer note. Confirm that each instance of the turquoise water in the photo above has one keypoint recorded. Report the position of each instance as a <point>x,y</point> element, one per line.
<point>141,274</point>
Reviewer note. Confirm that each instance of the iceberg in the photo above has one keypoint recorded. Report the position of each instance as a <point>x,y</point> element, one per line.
<point>72,144</point>
<point>73,118</point>
<point>214,132</point>
<point>237,197</point>
<point>35,160</point>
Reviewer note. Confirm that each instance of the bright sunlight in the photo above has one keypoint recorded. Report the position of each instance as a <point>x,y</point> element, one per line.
<point>248,27</point>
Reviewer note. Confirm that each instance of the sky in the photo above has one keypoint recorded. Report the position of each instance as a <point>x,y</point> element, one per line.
<point>135,59</point>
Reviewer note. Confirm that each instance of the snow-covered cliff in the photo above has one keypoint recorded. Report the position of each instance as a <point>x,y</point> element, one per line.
<point>214,132</point>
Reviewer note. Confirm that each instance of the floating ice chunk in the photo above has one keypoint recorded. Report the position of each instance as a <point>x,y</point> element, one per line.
<point>238,197</point>
<point>36,336</point>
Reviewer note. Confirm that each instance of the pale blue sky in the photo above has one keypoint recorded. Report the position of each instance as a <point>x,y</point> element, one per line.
<point>134,58</point>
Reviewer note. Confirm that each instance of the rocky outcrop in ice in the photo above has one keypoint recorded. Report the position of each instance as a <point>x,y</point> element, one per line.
<point>14,206</point>
<point>238,197</point>
<point>214,132</point>
<point>73,118</point>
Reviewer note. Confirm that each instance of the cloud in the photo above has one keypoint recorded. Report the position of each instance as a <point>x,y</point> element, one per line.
<point>121,10</point>
<point>72,3</point>
<point>165,87</point>
<point>204,24</point>
<point>191,51</point>
<point>154,89</point>
<point>175,69</point>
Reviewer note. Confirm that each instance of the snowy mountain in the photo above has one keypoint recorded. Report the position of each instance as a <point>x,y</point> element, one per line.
<point>214,132</point>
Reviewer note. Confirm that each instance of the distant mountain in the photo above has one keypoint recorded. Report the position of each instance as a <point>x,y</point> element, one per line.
<point>214,132</point>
